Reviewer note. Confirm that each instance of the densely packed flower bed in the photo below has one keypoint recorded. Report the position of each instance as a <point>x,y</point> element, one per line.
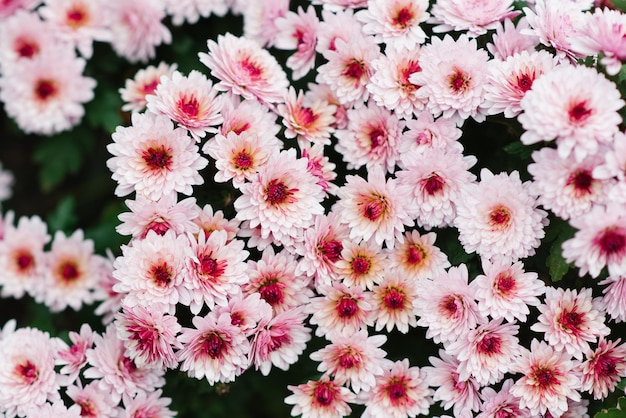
<point>325,208</point>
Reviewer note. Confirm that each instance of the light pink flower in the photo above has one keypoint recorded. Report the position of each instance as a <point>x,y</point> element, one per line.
<point>361,265</point>
<point>548,379</point>
<point>446,306</point>
<point>215,270</point>
<point>73,358</point>
<point>371,138</point>
<point>320,399</point>
<point>307,123</point>
<point>576,106</point>
<point>452,391</point>
<point>137,28</point>
<point>27,376</point>
<point>298,31</point>
<point>282,197</point>
<point>395,300</point>
<point>501,404</point>
<point>372,209</point>
<point>476,17</point>
<point>45,95</point>
<point>190,101</point>
<point>395,23</point>
<point>603,368</point>
<point>144,82</point>
<point>153,158</point>
<point>244,68</point>
<point>453,78</point>
<point>499,216</point>
<point>92,400</point>
<point>247,116</point>
<point>117,374</point>
<point>8,8</point>
<point>339,24</point>
<point>613,301</point>
<point>320,166</point>
<point>355,360</point>
<point>506,290</point>
<point>426,133</point>
<point>280,341</point>
<point>614,168</point>
<point>215,349</point>
<point>146,404</point>
<point>24,36</point>
<point>259,20</point>
<point>486,353</point>
<point>149,336</point>
<point>570,320</point>
<point>509,39</point>
<point>599,242</point>
<point>209,222</point>
<point>190,11</point>
<point>54,410</point>
<point>246,312</point>
<point>417,257</point>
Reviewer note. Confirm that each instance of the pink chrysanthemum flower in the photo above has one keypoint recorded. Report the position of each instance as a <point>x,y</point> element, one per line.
<point>323,398</point>
<point>476,18</point>
<point>45,95</point>
<point>115,372</point>
<point>361,265</point>
<point>453,78</point>
<point>79,22</point>
<point>570,320</point>
<point>390,86</point>
<point>371,138</point>
<point>246,312</point>
<point>308,123</point>
<point>142,84</point>
<point>280,341</point>
<point>137,28</point>
<point>322,248</point>
<point>160,216</point>
<point>282,197</point>
<point>244,68</point>
<point>111,300</point>
<point>92,401</point>
<point>599,242</point>
<point>395,23</point>
<point>320,166</point>
<point>151,270</point>
<point>298,31</point>
<point>509,40</point>
<point>603,368</point>
<point>575,105</point>
<point>190,101</point>
<point>349,69</point>
<point>324,93</point>
<point>432,183</point>
<point>149,336</point>
<point>24,36</point>
<point>22,256</point>
<point>153,158</point>
<point>613,300</point>
<point>53,410</point>
<point>146,404</point>
<point>215,349</point>
<point>400,392</point>
<point>417,257</point>
<point>215,270</point>
<point>506,290</point>
<point>548,379</point>
<point>73,358</point>
<point>509,80</point>
<point>341,311</point>
<point>10,7</point>
<point>486,353</point>
<point>372,209</point>
<point>210,221</point>
<point>394,299</point>
<point>274,277</point>
<point>446,306</point>
<point>501,404</point>
<point>424,133</point>
<point>614,168</point>
<point>355,360</point>
<point>259,20</point>
<point>499,216</point>
<point>240,157</point>
<point>27,376</point>
<point>190,11</point>
<point>452,391</point>
<point>71,272</point>
<point>339,24</point>
<point>565,186</point>
<point>603,31</point>
<point>247,116</point>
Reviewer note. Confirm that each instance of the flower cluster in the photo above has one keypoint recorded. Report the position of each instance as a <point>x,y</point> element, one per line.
<point>349,259</point>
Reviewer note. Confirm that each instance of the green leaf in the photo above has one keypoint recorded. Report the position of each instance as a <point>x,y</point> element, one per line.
<point>614,412</point>
<point>621,403</point>
<point>519,149</point>
<point>620,4</point>
<point>58,156</point>
<point>557,266</point>
<point>63,218</point>
<point>622,385</point>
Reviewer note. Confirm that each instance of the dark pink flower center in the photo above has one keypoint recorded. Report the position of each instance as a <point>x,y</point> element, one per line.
<point>459,82</point>
<point>277,192</point>
<point>211,267</point>
<point>236,319</point>
<point>26,48</point>
<point>68,271</point>
<point>433,184</point>
<point>253,70</point>
<point>376,206</point>
<point>189,106</point>
<point>325,393</point>
<point>415,254</point>
<point>161,274</point>
<point>411,68</point>
<point>349,359</point>
<point>306,116</point>
<point>86,408</point>
<point>331,250</point>
<point>157,158</point>
<point>396,390</point>
<point>360,265</point>
<point>504,282</point>
<point>45,89</point>
<point>606,366</point>
<point>27,372</point>
<point>213,345</point>
<point>150,87</point>
<point>571,321</point>
<point>347,307</point>
<point>76,16</point>
<point>612,241</point>
<point>354,69</point>
<point>499,217</point>
<point>582,181</point>
<point>377,137</point>
<point>243,160</point>
<point>524,82</point>
<point>489,344</point>
<point>403,18</point>
<point>24,260</point>
<point>448,305</point>
<point>159,227</point>
<point>271,291</point>
<point>579,112</point>
<point>544,377</point>
<point>394,299</point>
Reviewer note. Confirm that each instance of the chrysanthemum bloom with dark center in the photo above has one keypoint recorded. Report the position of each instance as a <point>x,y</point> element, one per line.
<point>599,242</point>
<point>603,368</point>
<point>395,298</point>
<point>476,17</point>
<point>322,398</point>
<point>396,23</point>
